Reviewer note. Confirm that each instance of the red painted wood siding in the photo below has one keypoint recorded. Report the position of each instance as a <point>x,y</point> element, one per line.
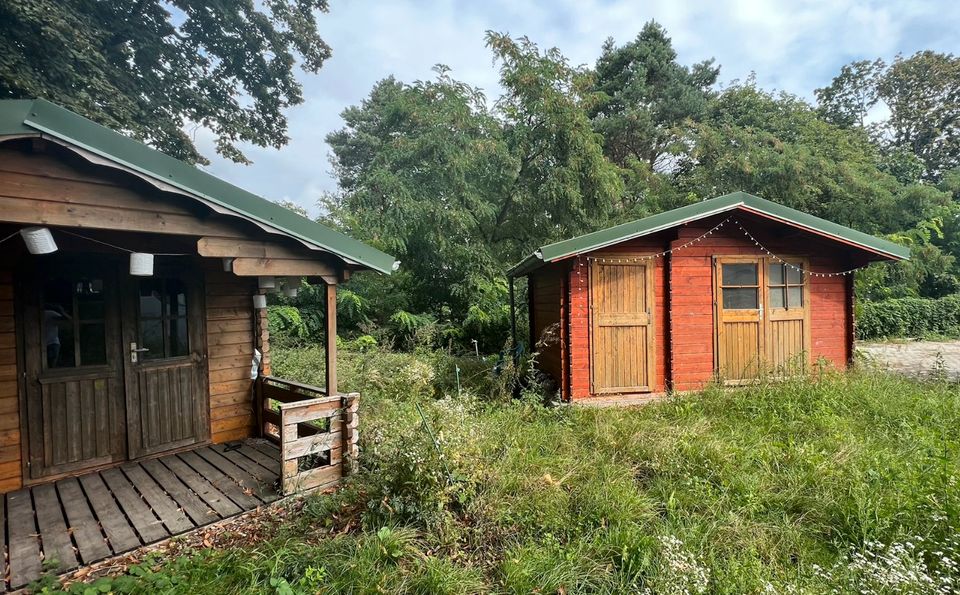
<point>580,317</point>
<point>690,321</point>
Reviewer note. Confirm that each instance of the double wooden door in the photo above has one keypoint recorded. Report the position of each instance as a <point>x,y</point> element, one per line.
<point>622,329</point>
<point>114,365</point>
<point>762,317</point>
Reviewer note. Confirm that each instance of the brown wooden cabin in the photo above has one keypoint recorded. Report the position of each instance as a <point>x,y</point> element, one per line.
<point>730,289</point>
<point>99,367</point>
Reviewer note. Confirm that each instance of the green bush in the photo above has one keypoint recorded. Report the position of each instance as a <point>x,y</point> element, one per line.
<point>909,317</point>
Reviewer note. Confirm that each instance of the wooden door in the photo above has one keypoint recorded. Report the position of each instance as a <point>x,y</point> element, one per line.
<point>622,339</point>
<point>73,401</point>
<point>166,364</point>
<point>763,318</point>
<point>787,325</point>
<point>739,313</point>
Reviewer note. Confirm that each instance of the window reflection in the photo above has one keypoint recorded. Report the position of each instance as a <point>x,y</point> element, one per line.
<point>73,327</point>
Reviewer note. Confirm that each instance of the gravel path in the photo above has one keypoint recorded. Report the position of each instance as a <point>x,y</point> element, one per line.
<point>915,358</point>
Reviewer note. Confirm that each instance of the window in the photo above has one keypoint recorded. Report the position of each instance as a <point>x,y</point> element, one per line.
<point>740,286</point>
<point>73,319</point>
<point>785,285</point>
<point>163,318</point>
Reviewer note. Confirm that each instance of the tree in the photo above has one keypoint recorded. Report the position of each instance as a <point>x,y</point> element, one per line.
<point>135,66</point>
<point>459,190</point>
<point>646,95</point>
<point>777,146</point>
<point>851,95</point>
<point>922,95</point>
<point>560,183</point>
<point>420,169</point>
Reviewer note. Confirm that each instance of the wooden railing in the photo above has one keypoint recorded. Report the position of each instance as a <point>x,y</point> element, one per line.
<point>317,433</point>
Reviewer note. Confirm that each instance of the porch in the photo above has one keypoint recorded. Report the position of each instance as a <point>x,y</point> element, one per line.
<point>80,520</point>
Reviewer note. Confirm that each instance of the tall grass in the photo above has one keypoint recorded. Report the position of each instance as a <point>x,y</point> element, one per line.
<point>847,484</point>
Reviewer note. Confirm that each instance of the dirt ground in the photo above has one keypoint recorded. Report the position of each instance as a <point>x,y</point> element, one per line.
<point>915,358</point>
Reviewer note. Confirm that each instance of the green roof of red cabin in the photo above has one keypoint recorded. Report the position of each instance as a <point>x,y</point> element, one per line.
<point>727,203</point>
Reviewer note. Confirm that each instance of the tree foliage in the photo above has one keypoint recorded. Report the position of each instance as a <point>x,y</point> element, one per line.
<point>455,187</point>
<point>461,187</point>
<point>146,67</point>
<point>921,94</point>
<point>646,97</point>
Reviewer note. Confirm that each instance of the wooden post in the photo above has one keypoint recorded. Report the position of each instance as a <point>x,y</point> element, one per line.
<point>331,321</point>
<point>513,322</point>
<point>351,434</point>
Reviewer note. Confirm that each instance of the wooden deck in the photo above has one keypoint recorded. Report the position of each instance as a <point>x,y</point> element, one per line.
<point>60,526</point>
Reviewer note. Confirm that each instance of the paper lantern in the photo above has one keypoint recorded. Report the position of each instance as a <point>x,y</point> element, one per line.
<point>259,301</point>
<point>291,286</point>
<point>228,265</point>
<point>39,240</point>
<point>141,264</point>
<point>268,283</point>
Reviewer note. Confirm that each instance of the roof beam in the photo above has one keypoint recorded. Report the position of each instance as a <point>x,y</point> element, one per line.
<point>230,248</point>
<point>282,267</point>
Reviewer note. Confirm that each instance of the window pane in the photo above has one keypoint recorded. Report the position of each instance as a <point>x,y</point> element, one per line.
<point>794,276</point>
<point>150,301</point>
<point>93,345</point>
<point>179,342</point>
<point>740,274</point>
<point>775,274</point>
<point>777,295</point>
<point>795,297</point>
<point>151,337</point>
<point>90,299</point>
<point>176,297</point>
<point>58,338</point>
<point>740,298</point>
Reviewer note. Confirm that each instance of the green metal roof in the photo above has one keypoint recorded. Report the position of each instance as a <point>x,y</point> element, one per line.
<point>19,117</point>
<point>714,206</point>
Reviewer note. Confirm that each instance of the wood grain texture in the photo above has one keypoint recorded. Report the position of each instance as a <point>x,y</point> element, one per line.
<point>10,456</point>
<point>622,326</point>
<point>230,343</point>
<point>83,520</point>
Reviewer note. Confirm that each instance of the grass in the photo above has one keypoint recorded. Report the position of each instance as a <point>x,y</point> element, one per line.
<point>846,484</point>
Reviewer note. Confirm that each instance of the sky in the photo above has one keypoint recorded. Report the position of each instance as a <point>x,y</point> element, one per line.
<point>794,46</point>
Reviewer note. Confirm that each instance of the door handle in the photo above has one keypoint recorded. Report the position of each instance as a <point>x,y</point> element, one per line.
<point>135,352</point>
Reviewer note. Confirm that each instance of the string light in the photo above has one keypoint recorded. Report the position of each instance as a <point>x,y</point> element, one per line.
<point>654,256</point>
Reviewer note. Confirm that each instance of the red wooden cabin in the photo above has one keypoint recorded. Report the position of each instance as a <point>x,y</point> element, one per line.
<point>730,289</point>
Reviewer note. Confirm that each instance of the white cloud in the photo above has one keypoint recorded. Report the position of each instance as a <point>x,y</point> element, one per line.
<point>795,46</point>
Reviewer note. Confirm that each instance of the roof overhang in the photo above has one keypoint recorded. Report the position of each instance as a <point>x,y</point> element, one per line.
<point>98,144</point>
<point>880,248</point>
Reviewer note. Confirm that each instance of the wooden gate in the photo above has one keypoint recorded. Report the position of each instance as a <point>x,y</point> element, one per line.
<point>622,339</point>
<point>762,318</point>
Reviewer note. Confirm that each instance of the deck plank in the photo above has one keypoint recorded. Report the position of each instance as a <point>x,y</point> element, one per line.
<point>262,490</point>
<point>57,546</point>
<point>146,523</point>
<point>163,505</point>
<point>191,504</point>
<point>270,463</point>
<point>211,495</point>
<point>263,475</point>
<point>24,545</point>
<point>81,522</point>
<point>223,483</point>
<point>118,530</point>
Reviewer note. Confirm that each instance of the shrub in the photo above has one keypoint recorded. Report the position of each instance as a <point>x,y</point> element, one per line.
<point>909,317</point>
